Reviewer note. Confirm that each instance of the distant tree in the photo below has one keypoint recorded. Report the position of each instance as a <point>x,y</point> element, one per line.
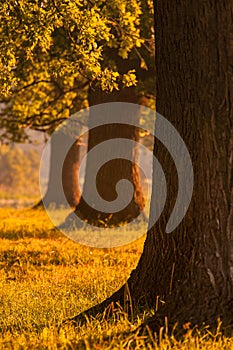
<point>19,171</point>
<point>143,64</point>
<point>59,53</point>
<point>65,188</point>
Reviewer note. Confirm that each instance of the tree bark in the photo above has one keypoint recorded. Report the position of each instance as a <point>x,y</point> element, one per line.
<point>59,194</point>
<point>192,267</point>
<point>187,275</point>
<point>116,169</point>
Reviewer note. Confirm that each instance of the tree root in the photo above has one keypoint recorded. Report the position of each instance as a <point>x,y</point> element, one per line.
<point>104,310</point>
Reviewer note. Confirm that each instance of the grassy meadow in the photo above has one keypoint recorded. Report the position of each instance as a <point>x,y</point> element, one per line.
<point>46,278</point>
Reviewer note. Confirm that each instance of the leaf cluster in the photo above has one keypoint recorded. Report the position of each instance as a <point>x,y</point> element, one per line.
<point>51,51</point>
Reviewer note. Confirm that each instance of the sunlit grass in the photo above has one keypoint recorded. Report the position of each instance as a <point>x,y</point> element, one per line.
<point>46,278</point>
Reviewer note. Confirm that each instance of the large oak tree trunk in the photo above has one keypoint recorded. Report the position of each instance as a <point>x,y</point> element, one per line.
<point>116,169</point>
<point>191,269</point>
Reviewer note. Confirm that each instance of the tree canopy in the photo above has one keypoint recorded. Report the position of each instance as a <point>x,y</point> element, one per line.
<point>52,51</point>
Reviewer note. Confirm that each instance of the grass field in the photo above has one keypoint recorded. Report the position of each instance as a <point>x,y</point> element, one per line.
<point>46,278</point>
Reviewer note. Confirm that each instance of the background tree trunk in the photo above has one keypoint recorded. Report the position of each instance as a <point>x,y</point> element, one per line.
<point>116,169</point>
<point>55,193</point>
<point>187,275</point>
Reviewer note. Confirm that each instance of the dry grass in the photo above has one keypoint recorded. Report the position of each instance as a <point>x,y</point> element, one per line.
<point>45,278</point>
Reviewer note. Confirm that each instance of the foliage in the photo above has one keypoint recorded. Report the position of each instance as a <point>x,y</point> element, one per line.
<point>18,172</point>
<point>45,278</point>
<point>51,51</point>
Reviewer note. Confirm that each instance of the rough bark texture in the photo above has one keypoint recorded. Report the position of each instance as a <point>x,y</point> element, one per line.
<point>191,269</point>
<point>116,169</point>
<point>56,195</point>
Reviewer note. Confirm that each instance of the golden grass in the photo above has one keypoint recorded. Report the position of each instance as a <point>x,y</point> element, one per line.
<point>45,278</point>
